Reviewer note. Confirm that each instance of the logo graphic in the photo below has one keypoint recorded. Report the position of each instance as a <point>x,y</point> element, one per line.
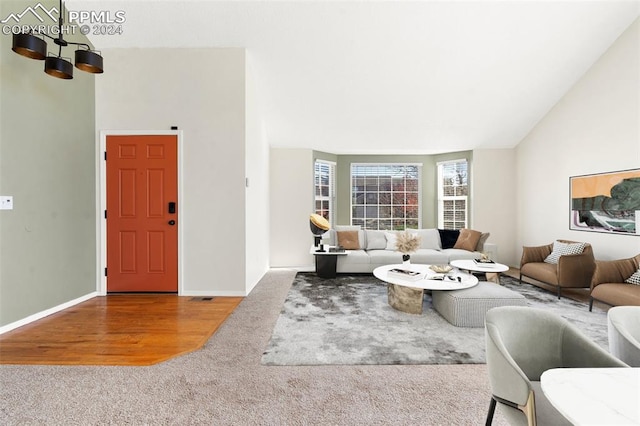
<point>33,10</point>
<point>95,22</point>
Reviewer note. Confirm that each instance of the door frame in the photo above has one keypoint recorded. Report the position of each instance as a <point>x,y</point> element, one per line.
<point>101,203</point>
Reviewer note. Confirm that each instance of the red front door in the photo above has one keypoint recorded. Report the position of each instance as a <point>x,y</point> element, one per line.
<point>142,213</point>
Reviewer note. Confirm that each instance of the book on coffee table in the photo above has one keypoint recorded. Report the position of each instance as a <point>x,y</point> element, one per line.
<point>405,274</point>
<point>483,261</point>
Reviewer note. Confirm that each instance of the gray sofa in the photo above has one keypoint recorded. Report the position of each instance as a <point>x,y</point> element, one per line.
<point>376,250</point>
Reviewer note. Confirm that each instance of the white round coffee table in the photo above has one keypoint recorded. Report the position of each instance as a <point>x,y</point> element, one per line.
<point>492,270</point>
<point>406,295</point>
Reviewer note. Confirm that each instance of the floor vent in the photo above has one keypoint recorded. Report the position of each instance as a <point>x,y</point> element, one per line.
<point>203,299</point>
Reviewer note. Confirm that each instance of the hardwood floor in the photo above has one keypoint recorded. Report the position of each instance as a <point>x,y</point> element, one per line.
<point>118,330</point>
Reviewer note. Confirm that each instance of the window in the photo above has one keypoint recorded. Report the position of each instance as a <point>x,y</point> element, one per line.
<point>453,194</point>
<point>325,189</point>
<point>385,196</point>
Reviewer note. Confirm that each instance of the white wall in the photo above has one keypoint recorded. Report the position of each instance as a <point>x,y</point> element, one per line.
<point>291,185</point>
<point>594,128</point>
<point>493,198</point>
<point>202,91</point>
<point>257,193</point>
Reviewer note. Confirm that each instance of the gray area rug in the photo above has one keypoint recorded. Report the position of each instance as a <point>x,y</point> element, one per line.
<point>348,321</point>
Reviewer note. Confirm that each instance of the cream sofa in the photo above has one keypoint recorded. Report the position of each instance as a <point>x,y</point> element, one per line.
<point>375,250</point>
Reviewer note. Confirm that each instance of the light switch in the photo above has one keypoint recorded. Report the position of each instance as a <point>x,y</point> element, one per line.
<point>6,202</point>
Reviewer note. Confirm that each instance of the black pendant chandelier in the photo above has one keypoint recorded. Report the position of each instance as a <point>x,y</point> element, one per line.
<point>29,45</point>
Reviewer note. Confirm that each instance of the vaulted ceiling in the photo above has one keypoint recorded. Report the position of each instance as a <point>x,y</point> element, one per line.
<point>390,76</point>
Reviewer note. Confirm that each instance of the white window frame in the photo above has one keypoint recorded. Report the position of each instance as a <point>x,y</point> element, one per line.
<point>442,198</point>
<point>331,198</point>
<point>351,176</point>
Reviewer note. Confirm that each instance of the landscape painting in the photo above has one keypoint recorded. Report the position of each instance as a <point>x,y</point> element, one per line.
<point>606,202</point>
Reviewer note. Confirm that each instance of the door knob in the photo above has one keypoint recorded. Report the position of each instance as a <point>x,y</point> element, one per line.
<point>172,222</point>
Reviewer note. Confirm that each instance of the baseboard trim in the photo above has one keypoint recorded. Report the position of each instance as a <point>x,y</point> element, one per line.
<point>47,312</point>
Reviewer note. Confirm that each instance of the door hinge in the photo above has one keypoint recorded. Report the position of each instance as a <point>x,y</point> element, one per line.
<point>105,155</point>
<point>105,272</point>
<point>105,214</point>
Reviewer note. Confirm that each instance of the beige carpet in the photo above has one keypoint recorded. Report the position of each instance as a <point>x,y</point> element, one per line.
<point>225,384</point>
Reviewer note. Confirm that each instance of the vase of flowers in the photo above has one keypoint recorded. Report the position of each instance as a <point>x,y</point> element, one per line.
<point>407,243</point>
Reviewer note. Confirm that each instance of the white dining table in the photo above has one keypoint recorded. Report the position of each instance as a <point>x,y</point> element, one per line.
<point>594,396</point>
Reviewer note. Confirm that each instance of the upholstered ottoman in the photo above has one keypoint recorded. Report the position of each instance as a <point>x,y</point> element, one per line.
<point>467,308</point>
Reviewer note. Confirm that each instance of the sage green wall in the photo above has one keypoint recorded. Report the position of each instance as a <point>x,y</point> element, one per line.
<point>325,156</point>
<point>319,155</point>
<point>47,163</point>
<point>429,175</point>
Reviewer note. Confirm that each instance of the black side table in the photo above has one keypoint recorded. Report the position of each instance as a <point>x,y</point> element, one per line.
<point>326,262</point>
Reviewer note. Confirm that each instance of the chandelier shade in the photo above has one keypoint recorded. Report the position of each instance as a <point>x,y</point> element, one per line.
<point>29,45</point>
<point>58,67</point>
<point>89,61</point>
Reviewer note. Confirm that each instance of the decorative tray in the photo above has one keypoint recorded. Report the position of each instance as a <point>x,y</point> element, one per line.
<point>440,269</point>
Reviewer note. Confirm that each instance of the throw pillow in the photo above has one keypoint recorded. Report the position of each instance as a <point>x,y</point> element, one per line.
<point>561,249</point>
<point>348,240</point>
<point>483,239</point>
<point>362,242</point>
<point>429,238</point>
<point>634,279</point>
<point>391,240</point>
<point>467,240</point>
<point>376,240</point>
<point>448,237</point>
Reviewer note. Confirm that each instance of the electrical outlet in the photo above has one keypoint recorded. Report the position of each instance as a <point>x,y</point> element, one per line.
<point>6,202</point>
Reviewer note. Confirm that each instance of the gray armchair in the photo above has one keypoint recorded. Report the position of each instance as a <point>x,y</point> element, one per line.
<point>521,344</point>
<point>624,333</point>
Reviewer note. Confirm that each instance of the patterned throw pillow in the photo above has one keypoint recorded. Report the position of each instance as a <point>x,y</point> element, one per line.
<point>560,249</point>
<point>634,279</point>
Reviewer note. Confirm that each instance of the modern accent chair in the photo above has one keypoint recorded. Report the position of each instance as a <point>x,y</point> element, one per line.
<point>524,342</point>
<point>570,271</point>
<point>624,333</point>
<point>608,283</point>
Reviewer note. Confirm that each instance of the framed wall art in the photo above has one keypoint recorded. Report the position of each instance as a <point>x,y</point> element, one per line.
<point>606,202</point>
